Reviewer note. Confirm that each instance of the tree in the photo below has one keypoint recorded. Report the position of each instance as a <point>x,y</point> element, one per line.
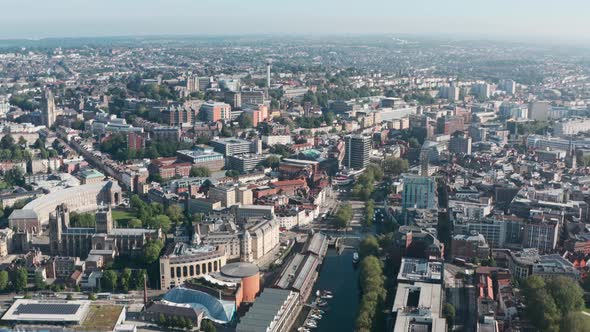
<point>369,213</point>
<point>395,166</point>
<point>540,306</point>
<point>232,174</point>
<point>39,282</point>
<point>567,294</point>
<point>199,171</point>
<point>7,142</point>
<point>343,216</point>
<point>14,177</point>
<point>139,278</point>
<point>3,280</point>
<point>69,297</point>
<point>448,312</point>
<point>159,221</point>
<point>245,121</point>
<point>134,223</point>
<point>272,162</point>
<point>109,280</point>
<point>125,279</point>
<point>20,282</point>
<point>151,251</point>
<point>92,297</point>
<point>208,326</point>
<point>174,212</point>
<point>576,321</point>
<point>369,246</point>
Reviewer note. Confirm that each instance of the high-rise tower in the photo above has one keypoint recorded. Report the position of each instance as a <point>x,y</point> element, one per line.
<point>48,109</point>
<point>268,64</point>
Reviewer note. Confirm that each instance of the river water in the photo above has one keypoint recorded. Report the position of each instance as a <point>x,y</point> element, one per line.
<point>340,276</point>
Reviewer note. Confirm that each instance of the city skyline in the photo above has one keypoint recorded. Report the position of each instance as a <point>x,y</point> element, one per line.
<point>505,20</point>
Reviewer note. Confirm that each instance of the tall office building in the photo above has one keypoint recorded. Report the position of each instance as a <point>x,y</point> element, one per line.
<point>460,144</point>
<point>509,86</point>
<point>357,151</point>
<point>192,84</point>
<point>419,192</point>
<point>48,109</point>
<point>539,110</point>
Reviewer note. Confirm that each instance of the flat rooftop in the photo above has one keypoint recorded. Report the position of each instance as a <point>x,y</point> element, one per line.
<point>414,269</point>
<point>23,310</point>
<point>102,318</point>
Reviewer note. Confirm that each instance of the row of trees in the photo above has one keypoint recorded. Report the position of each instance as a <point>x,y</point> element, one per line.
<point>369,213</point>
<point>372,284</point>
<point>10,150</point>
<point>124,281</point>
<point>16,281</point>
<point>554,305</point>
<point>365,184</point>
<point>343,216</point>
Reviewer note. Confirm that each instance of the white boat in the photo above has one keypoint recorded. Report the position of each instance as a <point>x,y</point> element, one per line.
<point>327,297</point>
<point>316,317</point>
<point>318,293</point>
<point>355,257</point>
<point>319,311</point>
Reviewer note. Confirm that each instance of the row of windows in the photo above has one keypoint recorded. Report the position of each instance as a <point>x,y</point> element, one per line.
<point>192,270</point>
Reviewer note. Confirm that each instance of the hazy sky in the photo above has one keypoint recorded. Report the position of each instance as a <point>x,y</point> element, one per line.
<point>565,20</point>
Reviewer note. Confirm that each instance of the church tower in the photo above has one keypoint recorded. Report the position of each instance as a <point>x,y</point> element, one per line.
<point>49,109</point>
<point>104,220</point>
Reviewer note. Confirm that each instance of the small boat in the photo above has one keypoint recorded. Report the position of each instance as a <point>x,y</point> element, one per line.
<point>326,292</point>
<point>319,311</point>
<point>355,257</point>
<point>322,304</point>
<point>327,296</point>
<point>311,324</point>
<point>318,293</point>
<point>303,329</point>
<point>318,317</point>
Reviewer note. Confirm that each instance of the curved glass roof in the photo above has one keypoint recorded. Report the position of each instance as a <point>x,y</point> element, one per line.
<point>217,310</point>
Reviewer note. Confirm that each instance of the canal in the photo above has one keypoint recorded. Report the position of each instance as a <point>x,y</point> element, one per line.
<point>340,276</point>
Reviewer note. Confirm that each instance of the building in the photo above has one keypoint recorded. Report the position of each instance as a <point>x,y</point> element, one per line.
<point>509,86</point>
<point>246,162</point>
<point>276,139</point>
<point>216,111</point>
<point>418,307</point>
<point>234,146</point>
<point>48,312</point>
<point>168,168</point>
<point>420,270</point>
<point>203,156</point>
<point>448,125</point>
<point>357,151</point>
<point>460,144</point>
<point>527,262</point>
<point>472,246</point>
<point>102,239</point>
<point>83,198</point>
<point>419,192</point>
<point>539,110</point>
<point>226,194</point>
<point>49,109</point>
<point>274,311</point>
<point>571,127</point>
<point>181,262</point>
<point>252,97</point>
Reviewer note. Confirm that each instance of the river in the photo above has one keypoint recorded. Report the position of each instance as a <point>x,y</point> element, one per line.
<point>338,275</point>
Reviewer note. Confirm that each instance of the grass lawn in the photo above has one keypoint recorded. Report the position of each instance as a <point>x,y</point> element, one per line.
<point>122,217</point>
<point>101,318</point>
